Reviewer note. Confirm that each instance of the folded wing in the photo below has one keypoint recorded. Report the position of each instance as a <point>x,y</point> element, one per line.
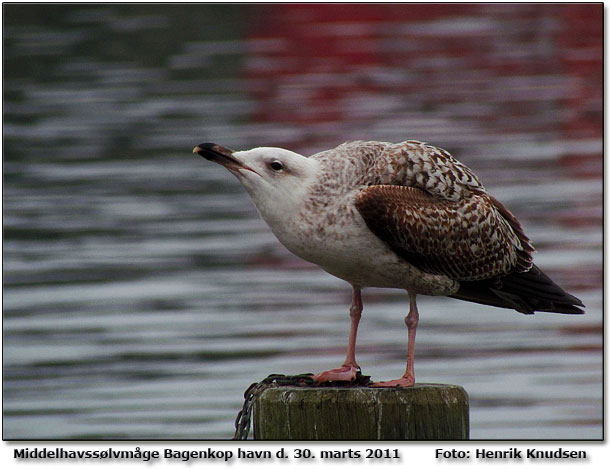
<point>469,239</point>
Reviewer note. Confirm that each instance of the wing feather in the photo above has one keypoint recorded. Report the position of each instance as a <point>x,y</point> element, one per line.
<point>473,238</point>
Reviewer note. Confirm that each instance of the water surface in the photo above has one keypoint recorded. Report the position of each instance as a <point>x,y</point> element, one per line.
<point>142,293</point>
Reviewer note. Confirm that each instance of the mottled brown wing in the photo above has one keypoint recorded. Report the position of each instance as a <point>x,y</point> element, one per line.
<point>471,239</point>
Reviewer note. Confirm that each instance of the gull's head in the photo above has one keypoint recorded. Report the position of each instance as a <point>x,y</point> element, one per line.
<point>276,179</point>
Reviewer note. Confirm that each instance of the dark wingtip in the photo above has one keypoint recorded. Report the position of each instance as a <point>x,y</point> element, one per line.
<point>525,292</point>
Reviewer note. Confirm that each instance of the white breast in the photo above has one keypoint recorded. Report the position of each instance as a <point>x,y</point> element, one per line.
<point>338,240</point>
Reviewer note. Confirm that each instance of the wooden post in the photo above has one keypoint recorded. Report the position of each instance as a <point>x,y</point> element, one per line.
<point>421,412</point>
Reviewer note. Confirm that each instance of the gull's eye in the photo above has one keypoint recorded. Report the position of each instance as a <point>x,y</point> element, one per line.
<point>276,165</point>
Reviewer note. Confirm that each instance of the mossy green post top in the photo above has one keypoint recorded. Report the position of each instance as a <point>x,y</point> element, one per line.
<point>421,412</point>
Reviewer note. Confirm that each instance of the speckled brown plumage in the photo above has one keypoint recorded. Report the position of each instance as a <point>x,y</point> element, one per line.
<point>465,240</point>
<point>429,208</point>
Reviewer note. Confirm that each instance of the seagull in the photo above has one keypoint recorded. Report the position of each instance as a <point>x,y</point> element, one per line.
<point>402,215</point>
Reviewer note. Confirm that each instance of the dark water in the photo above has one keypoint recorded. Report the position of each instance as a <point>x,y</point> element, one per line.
<point>142,294</point>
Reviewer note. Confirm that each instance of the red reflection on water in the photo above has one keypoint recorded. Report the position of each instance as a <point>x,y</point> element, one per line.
<point>580,42</point>
<point>476,72</point>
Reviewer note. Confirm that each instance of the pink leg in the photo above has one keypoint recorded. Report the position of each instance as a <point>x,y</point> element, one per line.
<point>348,370</point>
<point>408,379</point>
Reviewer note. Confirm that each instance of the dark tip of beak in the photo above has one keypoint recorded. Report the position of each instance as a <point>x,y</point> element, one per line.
<point>218,154</point>
<point>203,146</point>
<point>212,151</point>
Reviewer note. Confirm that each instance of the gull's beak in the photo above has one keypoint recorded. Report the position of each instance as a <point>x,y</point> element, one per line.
<point>219,154</point>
